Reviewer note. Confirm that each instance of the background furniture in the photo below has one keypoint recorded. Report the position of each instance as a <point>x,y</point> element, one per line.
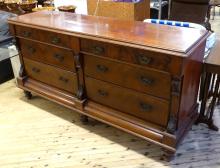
<point>210,87</point>
<point>126,74</point>
<point>5,40</point>
<point>190,11</point>
<point>159,9</point>
<point>212,5</point>
<point>122,10</point>
<point>6,72</point>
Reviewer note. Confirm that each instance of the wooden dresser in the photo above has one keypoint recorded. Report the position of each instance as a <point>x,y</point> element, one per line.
<point>139,77</point>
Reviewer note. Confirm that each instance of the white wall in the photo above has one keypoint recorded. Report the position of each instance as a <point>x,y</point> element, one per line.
<point>81,5</point>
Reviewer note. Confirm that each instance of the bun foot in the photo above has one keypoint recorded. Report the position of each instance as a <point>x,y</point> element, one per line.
<point>167,155</point>
<point>84,119</point>
<point>28,94</point>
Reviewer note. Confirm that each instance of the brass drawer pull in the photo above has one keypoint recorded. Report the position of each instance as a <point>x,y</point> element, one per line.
<point>145,107</point>
<point>26,34</point>
<point>144,59</point>
<point>55,40</point>
<point>102,68</point>
<point>31,50</point>
<point>102,93</point>
<point>36,70</point>
<point>146,81</point>
<point>63,79</point>
<point>59,57</point>
<point>98,50</point>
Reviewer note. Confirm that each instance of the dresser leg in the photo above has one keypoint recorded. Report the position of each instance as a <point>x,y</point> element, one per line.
<point>167,155</point>
<point>84,119</point>
<point>28,94</point>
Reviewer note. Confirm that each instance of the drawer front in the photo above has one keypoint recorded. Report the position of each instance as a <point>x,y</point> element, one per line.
<point>48,54</point>
<point>141,57</point>
<point>47,37</point>
<point>133,77</point>
<point>137,104</point>
<point>52,76</point>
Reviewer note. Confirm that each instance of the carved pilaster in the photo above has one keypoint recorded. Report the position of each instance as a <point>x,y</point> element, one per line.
<point>79,71</point>
<point>176,86</point>
<point>172,124</point>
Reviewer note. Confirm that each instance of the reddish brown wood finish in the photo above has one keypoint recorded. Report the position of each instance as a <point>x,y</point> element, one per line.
<point>174,39</point>
<point>141,78</point>
<point>47,37</point>
<point>137,104</point>
<point>145,58</point>
<point>56,77</point>
<point>48,54</point>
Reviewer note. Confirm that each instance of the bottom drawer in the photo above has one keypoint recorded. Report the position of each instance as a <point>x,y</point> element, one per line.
<point>143,106</point>
<point>52,76</point>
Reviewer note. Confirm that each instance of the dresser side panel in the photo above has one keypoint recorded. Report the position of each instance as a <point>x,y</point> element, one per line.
<point>192,68</point>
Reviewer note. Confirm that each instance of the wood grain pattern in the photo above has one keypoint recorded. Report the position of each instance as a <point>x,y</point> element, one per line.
<point>137,104</point>
<point>143,80</point>
<point>56,77</point>
<point>47,54</point>
<point>150,35</point>
<point>145,58</point>
<point>47,37</point>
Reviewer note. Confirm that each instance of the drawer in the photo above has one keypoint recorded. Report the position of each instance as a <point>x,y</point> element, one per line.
<point>141,57</point>
<point>143,106</point>
<point>47,54</point>
<point>47,37</point>
<point>58,78</point>
<point>133,77</point>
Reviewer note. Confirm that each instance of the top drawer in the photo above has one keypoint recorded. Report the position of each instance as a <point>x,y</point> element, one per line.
<point>160,61</point>
<point>48,37</point>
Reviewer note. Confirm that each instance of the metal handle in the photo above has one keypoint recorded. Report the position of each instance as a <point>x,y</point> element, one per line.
<point>145,107</point>
<point>144,59</point>
<point>26,34</point>
<point>36,70</point>
<point>31,49</point>
<point>146,81</point>
<point>55,40</point>
<point>102,93</point>
<point>102,68</point>
<point>59,57</point>
<point>63,79</point>
<point>98,50</point>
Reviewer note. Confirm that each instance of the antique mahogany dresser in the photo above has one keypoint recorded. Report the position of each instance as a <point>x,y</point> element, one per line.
<point>141,78</point>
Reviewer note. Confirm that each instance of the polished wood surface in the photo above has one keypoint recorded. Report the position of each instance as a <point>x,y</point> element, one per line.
<point>141,78</point>
<point>56,77</point>
<point>145,58</point>
<point>137,104</point>
<point>144,34</point>
<point>47,37</point>
<point>47,54</point>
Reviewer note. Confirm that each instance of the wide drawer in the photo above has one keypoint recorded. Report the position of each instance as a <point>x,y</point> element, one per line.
<point>48,54</point>
<point>134,77</point>
<point>137,104</point>
<point>156,60</point>
<point>52,76</point>
<point>48,37</point>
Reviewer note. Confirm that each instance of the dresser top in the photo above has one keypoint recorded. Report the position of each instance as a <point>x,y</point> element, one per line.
<point>159,37</point>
